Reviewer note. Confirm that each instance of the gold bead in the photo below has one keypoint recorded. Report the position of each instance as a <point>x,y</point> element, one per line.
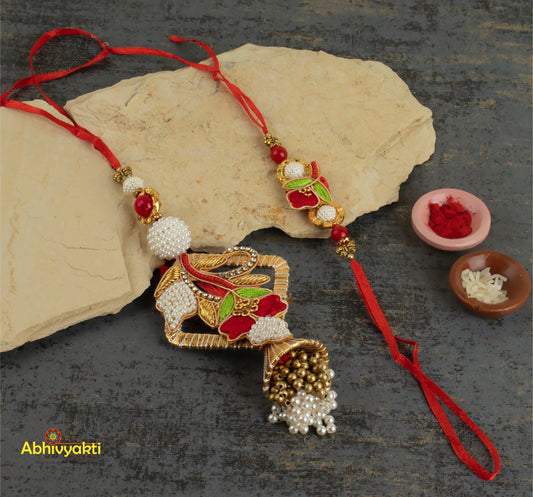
<point>302,356</point>
<point>122,173</point>
<point>308,388</point>
<point>322,392</point>
<point>285,371</point>
<point>318,385</point>
<point>281,385</point>
<point>323,377</point>
<point>310,377</point>
<point>291,377</point>
<point>322,366</point>
<point>327,383</point>
<point>313,361</point>
<point>298,384</point>
<point>316,355</point>
<point>291,393</point>
<point>301,372</point>
<point>274,390</point>
<point>278,377</point>
<point>305,365</point>
<point>296,364</point>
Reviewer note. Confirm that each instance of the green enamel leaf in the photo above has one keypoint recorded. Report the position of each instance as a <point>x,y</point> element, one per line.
<point>252,293</point>
<point>226,306</point>
<point>298,183</point>
<point>322,191</point>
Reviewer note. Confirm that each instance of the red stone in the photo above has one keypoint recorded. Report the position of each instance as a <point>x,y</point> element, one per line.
<point>278,154</point>
<point>144,205</point>
<point>338,233</point>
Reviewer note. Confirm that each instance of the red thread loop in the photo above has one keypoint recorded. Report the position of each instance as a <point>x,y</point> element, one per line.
<point>36,79</point>
<point>246,103</point>
<point>431,390</point>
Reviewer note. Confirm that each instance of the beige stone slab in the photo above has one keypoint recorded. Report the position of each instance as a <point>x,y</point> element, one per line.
<point>70,248</point>
<point>68,233</point>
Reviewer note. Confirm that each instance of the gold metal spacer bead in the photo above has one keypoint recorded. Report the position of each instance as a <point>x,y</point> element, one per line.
<point>122,173</point>
<point>346,248</point>
<point>271,141</point>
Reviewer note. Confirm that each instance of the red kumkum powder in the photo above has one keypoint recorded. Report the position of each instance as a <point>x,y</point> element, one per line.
<point>450,220</point>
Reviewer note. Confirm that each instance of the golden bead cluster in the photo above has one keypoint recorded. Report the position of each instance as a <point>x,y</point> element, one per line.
<point>271,141</point>
<point>346,248</point>
<point>302,371</point>
<point>122,173</point>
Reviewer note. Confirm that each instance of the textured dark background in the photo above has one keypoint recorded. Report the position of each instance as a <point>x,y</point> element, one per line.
<point>191,423</point>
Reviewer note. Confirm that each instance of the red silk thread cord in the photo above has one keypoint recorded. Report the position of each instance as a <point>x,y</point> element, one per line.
<point>431,390</point>
<point>80,132</point>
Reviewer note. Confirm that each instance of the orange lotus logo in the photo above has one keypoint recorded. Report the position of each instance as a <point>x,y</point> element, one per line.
<point>52,445</point>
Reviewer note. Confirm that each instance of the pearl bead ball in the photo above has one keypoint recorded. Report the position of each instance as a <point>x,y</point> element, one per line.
<point>294,170</point>
<point>169,237</point>
<point>326,213</point>
<point>131,184</point>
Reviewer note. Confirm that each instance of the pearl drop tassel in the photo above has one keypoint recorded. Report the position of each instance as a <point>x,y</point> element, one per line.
<point>131,184</point>
<point>326,213</point>
<point>294,170</point>
<point>175,302</point>
<point>268,329</point>
<point>306,410</point>
<point>169,237</point>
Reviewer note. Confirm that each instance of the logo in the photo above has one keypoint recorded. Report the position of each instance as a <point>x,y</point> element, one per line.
<point>52,445</point>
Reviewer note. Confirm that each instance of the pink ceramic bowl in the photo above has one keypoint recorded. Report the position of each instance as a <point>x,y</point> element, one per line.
<point>480,219</point>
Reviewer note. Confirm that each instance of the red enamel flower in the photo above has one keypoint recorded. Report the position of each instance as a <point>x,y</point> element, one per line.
<point>302,198</point>
<point>237,326</point>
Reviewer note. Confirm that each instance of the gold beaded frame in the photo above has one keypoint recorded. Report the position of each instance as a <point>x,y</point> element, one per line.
<point>273,352</point>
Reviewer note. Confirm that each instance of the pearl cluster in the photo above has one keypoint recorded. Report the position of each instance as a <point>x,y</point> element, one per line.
<point>175,302</point>
<point>169,237</point>
<point>245,267</point>
<point>326,213</point>
<point>268,329</point>
<point>306,410</point>
<point>195,289</point>
<point>131,184</point>
<point>294,170</point>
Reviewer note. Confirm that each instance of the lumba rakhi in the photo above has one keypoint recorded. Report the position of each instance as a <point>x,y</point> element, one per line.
<point>230,297</point>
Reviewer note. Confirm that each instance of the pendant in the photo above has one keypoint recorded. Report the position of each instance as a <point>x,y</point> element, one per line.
<point>229,297</point>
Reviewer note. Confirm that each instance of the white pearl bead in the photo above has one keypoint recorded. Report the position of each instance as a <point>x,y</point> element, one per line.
<point>131,184</point>
<point>331,428</point>
<point>294,170</point>
<point>293,430</point>
<point>321,430</point>
<point>326,213</point>
<point>273,418</point>
<point>329,419</point>
<point>304,429</point>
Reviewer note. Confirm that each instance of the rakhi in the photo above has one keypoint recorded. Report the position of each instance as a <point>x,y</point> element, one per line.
<point>246,315</point>
<point>221,289</point>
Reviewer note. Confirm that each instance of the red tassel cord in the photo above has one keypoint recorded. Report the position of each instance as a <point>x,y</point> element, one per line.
<point>431,390</point>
